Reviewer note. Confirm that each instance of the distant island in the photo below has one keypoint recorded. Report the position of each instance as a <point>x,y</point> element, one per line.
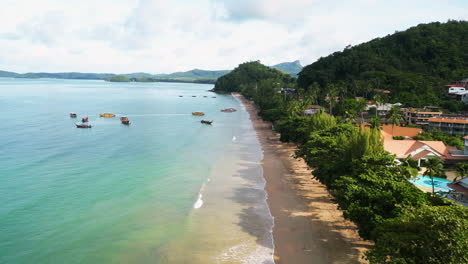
<point>192,76</point>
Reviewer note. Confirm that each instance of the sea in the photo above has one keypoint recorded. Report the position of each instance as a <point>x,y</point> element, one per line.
<point>165,189</point>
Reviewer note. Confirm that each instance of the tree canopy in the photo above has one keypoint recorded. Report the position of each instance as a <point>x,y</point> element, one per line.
<point>249,73</point>
<point>413,64</point>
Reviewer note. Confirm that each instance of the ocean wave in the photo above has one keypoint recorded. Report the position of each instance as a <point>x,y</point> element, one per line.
<point>199,203</point>
<point>246,254</point>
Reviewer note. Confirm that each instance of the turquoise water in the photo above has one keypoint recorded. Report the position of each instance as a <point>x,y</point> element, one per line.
<point>439,183</point>
<point>116,193</point>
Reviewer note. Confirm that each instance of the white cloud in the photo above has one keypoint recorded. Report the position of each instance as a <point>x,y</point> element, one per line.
<point>164,36</point>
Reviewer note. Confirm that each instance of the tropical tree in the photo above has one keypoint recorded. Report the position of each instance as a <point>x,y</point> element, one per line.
<point>409,167</point>
<point>462,170</point>
<point>332,92</point>
<point>395,117</point>
<point>375,123</point>
<point>434,168</point>
<point>378,100</point>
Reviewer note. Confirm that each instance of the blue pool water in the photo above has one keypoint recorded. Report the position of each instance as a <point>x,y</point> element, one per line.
<point>439,183</point>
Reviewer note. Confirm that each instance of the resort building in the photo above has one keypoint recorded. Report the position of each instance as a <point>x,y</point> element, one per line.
<point>312,110</point>
<point>382,109</point>
<point>418,149</point>
<point>449,125</point>
<point>420,116</point>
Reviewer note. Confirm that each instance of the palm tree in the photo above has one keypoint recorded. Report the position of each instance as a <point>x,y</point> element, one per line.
<point>434,168</point>
<point>375,123</point>
<point>462,171</point>
<point>395,117</point>
<point>331,92</point>
<point>378,100</point>
<point>409,167</point>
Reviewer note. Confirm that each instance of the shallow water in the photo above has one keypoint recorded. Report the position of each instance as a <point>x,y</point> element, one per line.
<point>166,189</point>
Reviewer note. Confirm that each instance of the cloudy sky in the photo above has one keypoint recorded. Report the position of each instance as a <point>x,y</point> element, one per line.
<point>159,36</point>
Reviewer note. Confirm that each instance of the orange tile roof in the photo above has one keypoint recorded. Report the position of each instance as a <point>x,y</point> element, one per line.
<point>448,120</point>
<point>402,131</point>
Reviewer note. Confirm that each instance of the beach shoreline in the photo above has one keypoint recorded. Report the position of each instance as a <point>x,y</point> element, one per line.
<point>308,226</point>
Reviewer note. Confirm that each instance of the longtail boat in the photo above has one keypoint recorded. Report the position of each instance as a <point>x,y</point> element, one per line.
<point>107,115</point>
<point>125,120</point>
<point>82,125</point>
<point>84,119</point>
<point>198,113</point>
<point>208,122</point>
<point>72,115</point>
<point>229,110</point>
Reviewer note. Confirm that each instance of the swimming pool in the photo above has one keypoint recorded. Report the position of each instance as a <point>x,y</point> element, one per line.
<point>425,181</point>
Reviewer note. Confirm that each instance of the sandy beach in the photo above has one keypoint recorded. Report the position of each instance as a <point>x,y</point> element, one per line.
<point>308,226</point>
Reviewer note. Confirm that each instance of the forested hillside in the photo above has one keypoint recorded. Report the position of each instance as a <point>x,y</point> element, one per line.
<point>292,68</point>
<point>414,65</point>
<point>249,74</point>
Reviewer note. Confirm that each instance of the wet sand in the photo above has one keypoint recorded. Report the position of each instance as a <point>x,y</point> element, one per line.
<point>308,226</point>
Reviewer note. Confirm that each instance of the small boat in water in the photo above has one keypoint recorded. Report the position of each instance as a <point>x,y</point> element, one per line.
<point>194,96</point>
<point>84,119</point>
<point>181,96</point>
<point>72,115</point>
<point>125,120</point>
<point>107,115</point>
<point>208,122</point>
<point>213,97</point>
<point>205,96</point>
<point>82,125</point>
<point>198,113</point>
<point>229,110</point>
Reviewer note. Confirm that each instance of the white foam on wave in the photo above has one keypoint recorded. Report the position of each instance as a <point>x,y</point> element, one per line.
<point>244,253</point>
<point>199,203</point>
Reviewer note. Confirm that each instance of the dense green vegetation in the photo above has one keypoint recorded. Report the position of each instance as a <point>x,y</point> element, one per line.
<point>406,224</point>
<point>119,78</point>
<point>414,65</point>
<point>455,141</point>
<point>249,75</point>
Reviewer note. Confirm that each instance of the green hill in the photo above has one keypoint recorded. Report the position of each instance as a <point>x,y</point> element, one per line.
<point>292,68</point>
<point>195,75</point>
<point>249,73</point>
<point>413,64</point>
<point>8,74</point>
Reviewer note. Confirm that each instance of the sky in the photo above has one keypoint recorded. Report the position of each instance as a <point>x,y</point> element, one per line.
<point>162,36</point>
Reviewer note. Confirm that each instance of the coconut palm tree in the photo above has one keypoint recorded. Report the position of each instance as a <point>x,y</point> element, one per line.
<point>462,170</point>
<point>375,123</point>
<point>409,167</point>
<point>434,168</point>
<point>395,117</point>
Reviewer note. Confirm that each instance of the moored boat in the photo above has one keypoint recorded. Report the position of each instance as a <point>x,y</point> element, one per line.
<point>107,115</point>
<point>198,113</point>
<point>72,115</point>
<point>194,96</point>
<point>229,110</point>
<point>208,122</point>
<point>84,119</point>
<point>82,125</point>
<point>125,120</point>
